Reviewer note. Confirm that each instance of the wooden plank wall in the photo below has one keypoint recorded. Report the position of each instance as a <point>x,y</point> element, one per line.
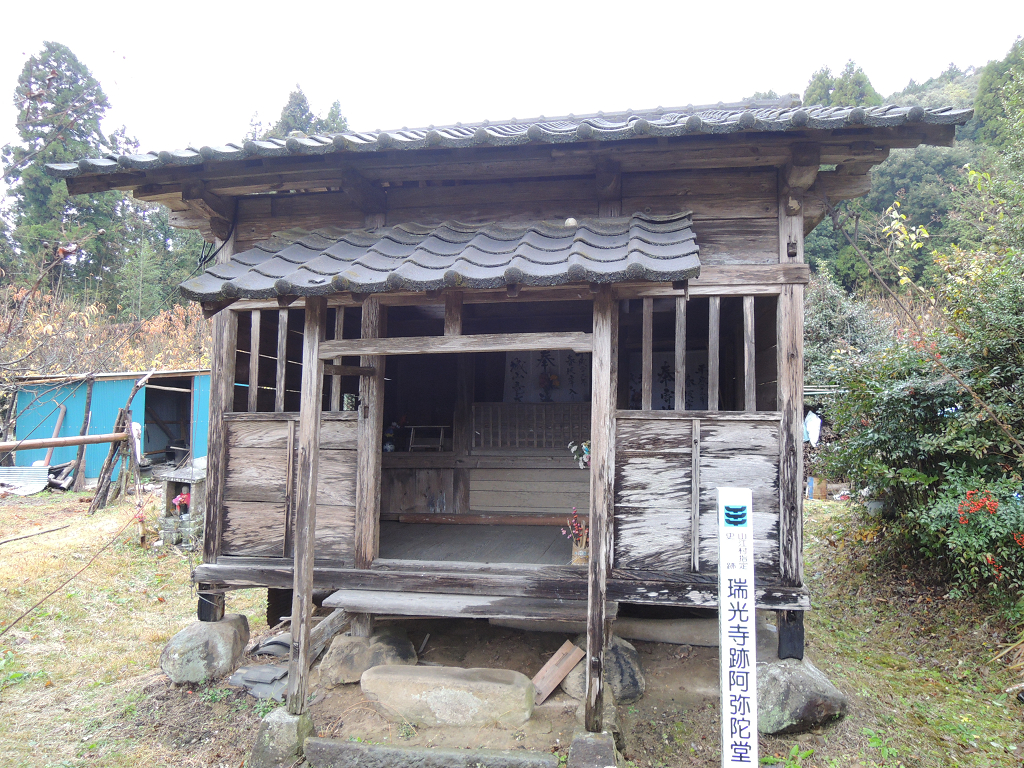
<point>735,211</point>
<point>654,484</point>
<point>259,486</point>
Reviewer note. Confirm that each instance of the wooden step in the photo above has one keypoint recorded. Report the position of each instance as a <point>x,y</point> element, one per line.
<point>453,606</point>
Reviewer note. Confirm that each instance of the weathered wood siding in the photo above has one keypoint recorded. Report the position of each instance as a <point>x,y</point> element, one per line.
<point>551,491</point>
<point>654,486</point>
<point>259,486</point>
<point>735,211</point>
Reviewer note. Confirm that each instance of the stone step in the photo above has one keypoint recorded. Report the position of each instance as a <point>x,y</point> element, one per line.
<point>335,753</point>
<point>441,605</point>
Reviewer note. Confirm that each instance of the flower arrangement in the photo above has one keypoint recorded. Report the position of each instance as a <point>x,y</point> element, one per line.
<point>581,452</point>
<point>578,531</point>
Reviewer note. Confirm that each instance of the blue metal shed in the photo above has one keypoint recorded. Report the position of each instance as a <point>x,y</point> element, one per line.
<point>173,407</point>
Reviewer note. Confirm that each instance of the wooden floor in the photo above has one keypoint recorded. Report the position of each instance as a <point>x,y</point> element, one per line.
<point>536,544</point>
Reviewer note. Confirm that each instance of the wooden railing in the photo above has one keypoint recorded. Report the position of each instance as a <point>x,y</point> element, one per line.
<point>530,425</point>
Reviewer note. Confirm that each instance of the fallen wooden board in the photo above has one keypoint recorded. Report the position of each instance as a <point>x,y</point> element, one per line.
<point>554,672</point>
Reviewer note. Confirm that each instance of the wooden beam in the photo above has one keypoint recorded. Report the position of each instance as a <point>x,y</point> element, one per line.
<point>749,381</point>
<point>462,429</point>
<point>647,355</point>
<point>305,503</point>
<point>714,343</point>
<point>453,313</point>
<point>368,461</point>
<point>680,354</point>
<point>254,359</point>
<point>282,359</point>
<point>347,370</point>
<point>604,367</point>
<point>484,342</point>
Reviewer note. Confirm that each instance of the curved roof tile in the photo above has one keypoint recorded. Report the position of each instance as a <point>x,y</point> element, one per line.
<point>600,127</point>
<point>418,258</point>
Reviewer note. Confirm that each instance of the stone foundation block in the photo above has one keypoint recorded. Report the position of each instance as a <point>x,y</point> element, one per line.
<point>348,657</point>
<point>794,696</point>
<point>280,739</point>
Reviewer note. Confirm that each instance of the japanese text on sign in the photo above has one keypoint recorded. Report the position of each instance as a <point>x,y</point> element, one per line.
<point>737,641</point>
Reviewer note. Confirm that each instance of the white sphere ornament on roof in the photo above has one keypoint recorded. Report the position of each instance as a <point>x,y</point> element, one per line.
<point>571,222</point>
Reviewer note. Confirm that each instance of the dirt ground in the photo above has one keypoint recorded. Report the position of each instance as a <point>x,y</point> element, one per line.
<point>80,683</point>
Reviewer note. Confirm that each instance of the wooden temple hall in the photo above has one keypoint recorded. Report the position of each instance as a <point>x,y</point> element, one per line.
<point>410,327</point>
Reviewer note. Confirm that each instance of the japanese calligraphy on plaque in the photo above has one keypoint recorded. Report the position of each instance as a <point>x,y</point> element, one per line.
<point>737,643</point>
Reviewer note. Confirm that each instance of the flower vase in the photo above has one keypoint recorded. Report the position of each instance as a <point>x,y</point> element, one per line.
<point>580,555</point>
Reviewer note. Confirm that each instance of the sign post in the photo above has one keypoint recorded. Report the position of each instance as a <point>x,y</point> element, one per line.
<point>737,641</point>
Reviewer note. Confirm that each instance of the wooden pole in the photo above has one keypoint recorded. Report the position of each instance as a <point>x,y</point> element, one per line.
<point>602,466</point>
<point>211,603</point>
<point>305,507</point>
<point>791,331</point>
<point>371,418</point>
<point>62,442</point>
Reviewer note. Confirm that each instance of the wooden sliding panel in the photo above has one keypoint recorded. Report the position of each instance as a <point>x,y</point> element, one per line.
<point>680,354</point>
<point>306,501</point>
<point>647,355</point>
<point>653,489</point>
<point>749,385</point>
<point>368,468</point>
<point>714,345</point>
<point>282,359</point>
<point>741,454</point>
<point>602,501</point>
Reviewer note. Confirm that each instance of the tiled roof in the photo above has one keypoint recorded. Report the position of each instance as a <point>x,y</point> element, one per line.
<point>600,127</point>
<point>418,258</point>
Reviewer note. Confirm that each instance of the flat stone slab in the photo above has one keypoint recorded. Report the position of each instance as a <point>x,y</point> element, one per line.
<point>451,695</point>
<point>205,650</point>
<point>334,753</point>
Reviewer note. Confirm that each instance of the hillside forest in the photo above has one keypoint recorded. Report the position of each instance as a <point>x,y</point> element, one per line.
<point>914,317</point>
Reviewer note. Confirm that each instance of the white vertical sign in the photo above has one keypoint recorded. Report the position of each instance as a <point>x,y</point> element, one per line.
<point>737,641</point>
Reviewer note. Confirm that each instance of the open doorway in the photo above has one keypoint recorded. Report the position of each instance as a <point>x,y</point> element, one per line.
<point>476,464</point>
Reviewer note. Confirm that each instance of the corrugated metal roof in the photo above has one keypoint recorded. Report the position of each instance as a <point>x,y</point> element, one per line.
<point>24,481</point>
<point>719,119</point>
<point>418,258</point>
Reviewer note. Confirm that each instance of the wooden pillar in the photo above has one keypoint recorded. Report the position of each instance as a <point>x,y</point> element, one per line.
<point>602,471</point>
<point>254,360</point>
<point>305,503</point>
<point>680,354</point>
<point>791,331</point>
<point>282,359</point>
<point>714,345</point>
<point>339,332</point>
<point>222,392</point>
<point>368,461</point>
<point>749,381</point>
<point>647,355</point>
<point>462,421</point>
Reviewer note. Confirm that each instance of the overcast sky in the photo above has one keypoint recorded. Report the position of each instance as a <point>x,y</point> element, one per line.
<point>188,73</point>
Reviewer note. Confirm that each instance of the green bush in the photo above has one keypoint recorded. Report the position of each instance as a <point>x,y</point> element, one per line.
<point>978,528</point>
